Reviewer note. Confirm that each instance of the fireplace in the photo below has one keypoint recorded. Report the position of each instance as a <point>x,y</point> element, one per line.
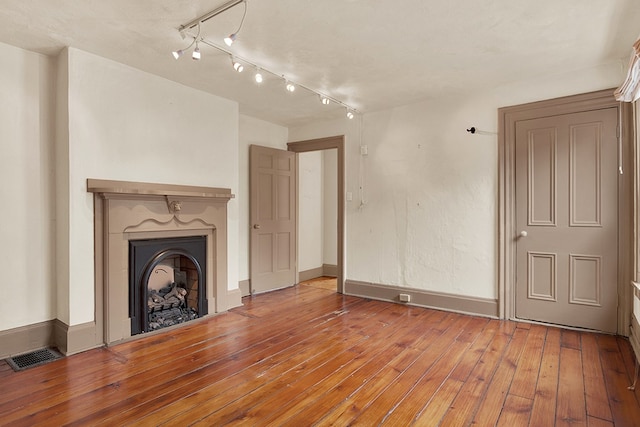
<point>166,282</point>
<point>161,256</point>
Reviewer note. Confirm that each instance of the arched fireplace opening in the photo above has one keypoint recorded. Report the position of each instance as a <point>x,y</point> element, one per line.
<point>166,282</point>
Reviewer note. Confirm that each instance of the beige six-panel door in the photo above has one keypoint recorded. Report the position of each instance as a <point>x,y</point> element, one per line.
<point>567,219</point>
<point>272,216</point>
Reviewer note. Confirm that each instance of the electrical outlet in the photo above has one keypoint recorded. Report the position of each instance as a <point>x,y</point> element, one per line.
<point>404,298</point>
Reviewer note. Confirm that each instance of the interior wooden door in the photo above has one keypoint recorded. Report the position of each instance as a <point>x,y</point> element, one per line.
<point>273,218</point>
<point>567,219</point>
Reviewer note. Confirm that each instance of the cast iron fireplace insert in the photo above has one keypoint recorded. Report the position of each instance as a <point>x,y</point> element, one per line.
<point>167,282</point>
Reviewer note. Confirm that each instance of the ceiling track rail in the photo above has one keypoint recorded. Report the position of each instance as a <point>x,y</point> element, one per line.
<point>228,5</point>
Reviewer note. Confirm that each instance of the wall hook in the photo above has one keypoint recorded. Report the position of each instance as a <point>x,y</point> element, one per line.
<point>474,130</point>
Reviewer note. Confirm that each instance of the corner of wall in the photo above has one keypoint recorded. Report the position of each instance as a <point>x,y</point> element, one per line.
<point>62,186</point>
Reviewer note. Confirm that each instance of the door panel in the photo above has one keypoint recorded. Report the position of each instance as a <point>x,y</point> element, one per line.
<point>567,217</point>
<point>542,276</point>
<point>585,285</point>
<point>585,169</point>
<point>273,227</point>
<point>541,171</point>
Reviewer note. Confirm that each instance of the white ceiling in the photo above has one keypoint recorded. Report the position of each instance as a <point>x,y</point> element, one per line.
<point>369,54</point>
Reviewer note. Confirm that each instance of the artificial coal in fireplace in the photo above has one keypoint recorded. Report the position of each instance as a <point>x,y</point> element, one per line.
<point>167,282</point>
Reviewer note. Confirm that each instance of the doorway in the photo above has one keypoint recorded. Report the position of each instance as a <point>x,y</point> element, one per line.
<point>330,143</point>
<point>317,215</point>
<point>556,158</point>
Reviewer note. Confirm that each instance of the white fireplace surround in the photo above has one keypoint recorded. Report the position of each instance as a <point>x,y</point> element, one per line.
<point>132,210</point>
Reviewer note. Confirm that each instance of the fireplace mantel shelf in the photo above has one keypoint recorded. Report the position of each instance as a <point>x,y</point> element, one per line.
<point>144,188</point>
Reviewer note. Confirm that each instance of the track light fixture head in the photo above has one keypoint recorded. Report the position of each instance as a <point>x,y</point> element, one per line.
<point>258,77</point>
<point>230,39</point>
<point>236,65</point>
<point>196,53</point>
<point>324,100</point>
<point>349,114</point>
<point>290,86</point>
<point>177,53</point>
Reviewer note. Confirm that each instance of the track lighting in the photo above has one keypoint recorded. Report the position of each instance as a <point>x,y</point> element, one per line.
<point>185,31</point>
<point>236,65</point>
<point>196,53</point>
<point>230,39</point>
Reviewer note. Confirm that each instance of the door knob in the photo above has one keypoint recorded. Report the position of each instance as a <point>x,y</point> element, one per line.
<point>523,233</point>
<point>256,226</point>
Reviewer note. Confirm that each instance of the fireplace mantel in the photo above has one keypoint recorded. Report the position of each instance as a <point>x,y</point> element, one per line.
<point>107,187</point>
<point>125,211</point>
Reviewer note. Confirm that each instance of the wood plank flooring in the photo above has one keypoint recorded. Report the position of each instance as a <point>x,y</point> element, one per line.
<point>308,356</point>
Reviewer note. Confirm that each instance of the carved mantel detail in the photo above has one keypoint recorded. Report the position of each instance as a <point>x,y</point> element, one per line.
<point>174,205</point>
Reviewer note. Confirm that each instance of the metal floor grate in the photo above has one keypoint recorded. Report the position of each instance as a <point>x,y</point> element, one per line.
<point>32,359</point>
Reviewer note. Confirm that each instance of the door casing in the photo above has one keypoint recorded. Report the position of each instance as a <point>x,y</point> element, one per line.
<point>507,118</point>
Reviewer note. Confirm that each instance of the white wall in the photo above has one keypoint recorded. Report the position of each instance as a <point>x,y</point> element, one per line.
<point>310,210</point>
<point>125,124</point>
<point>430,221</point>
<point>330,207</point>
<point>252,132</point>
<point>27,188</point>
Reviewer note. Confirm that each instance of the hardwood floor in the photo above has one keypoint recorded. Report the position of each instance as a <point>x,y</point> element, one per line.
<point>324,282</point>
<point>308,356</point>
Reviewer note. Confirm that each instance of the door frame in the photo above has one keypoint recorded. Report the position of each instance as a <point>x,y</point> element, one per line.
<point>329,143</point>
<point>507,118</point>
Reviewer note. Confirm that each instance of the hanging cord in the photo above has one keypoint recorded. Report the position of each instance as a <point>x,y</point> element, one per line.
<point>362,177</point>
<point>242,20</point>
